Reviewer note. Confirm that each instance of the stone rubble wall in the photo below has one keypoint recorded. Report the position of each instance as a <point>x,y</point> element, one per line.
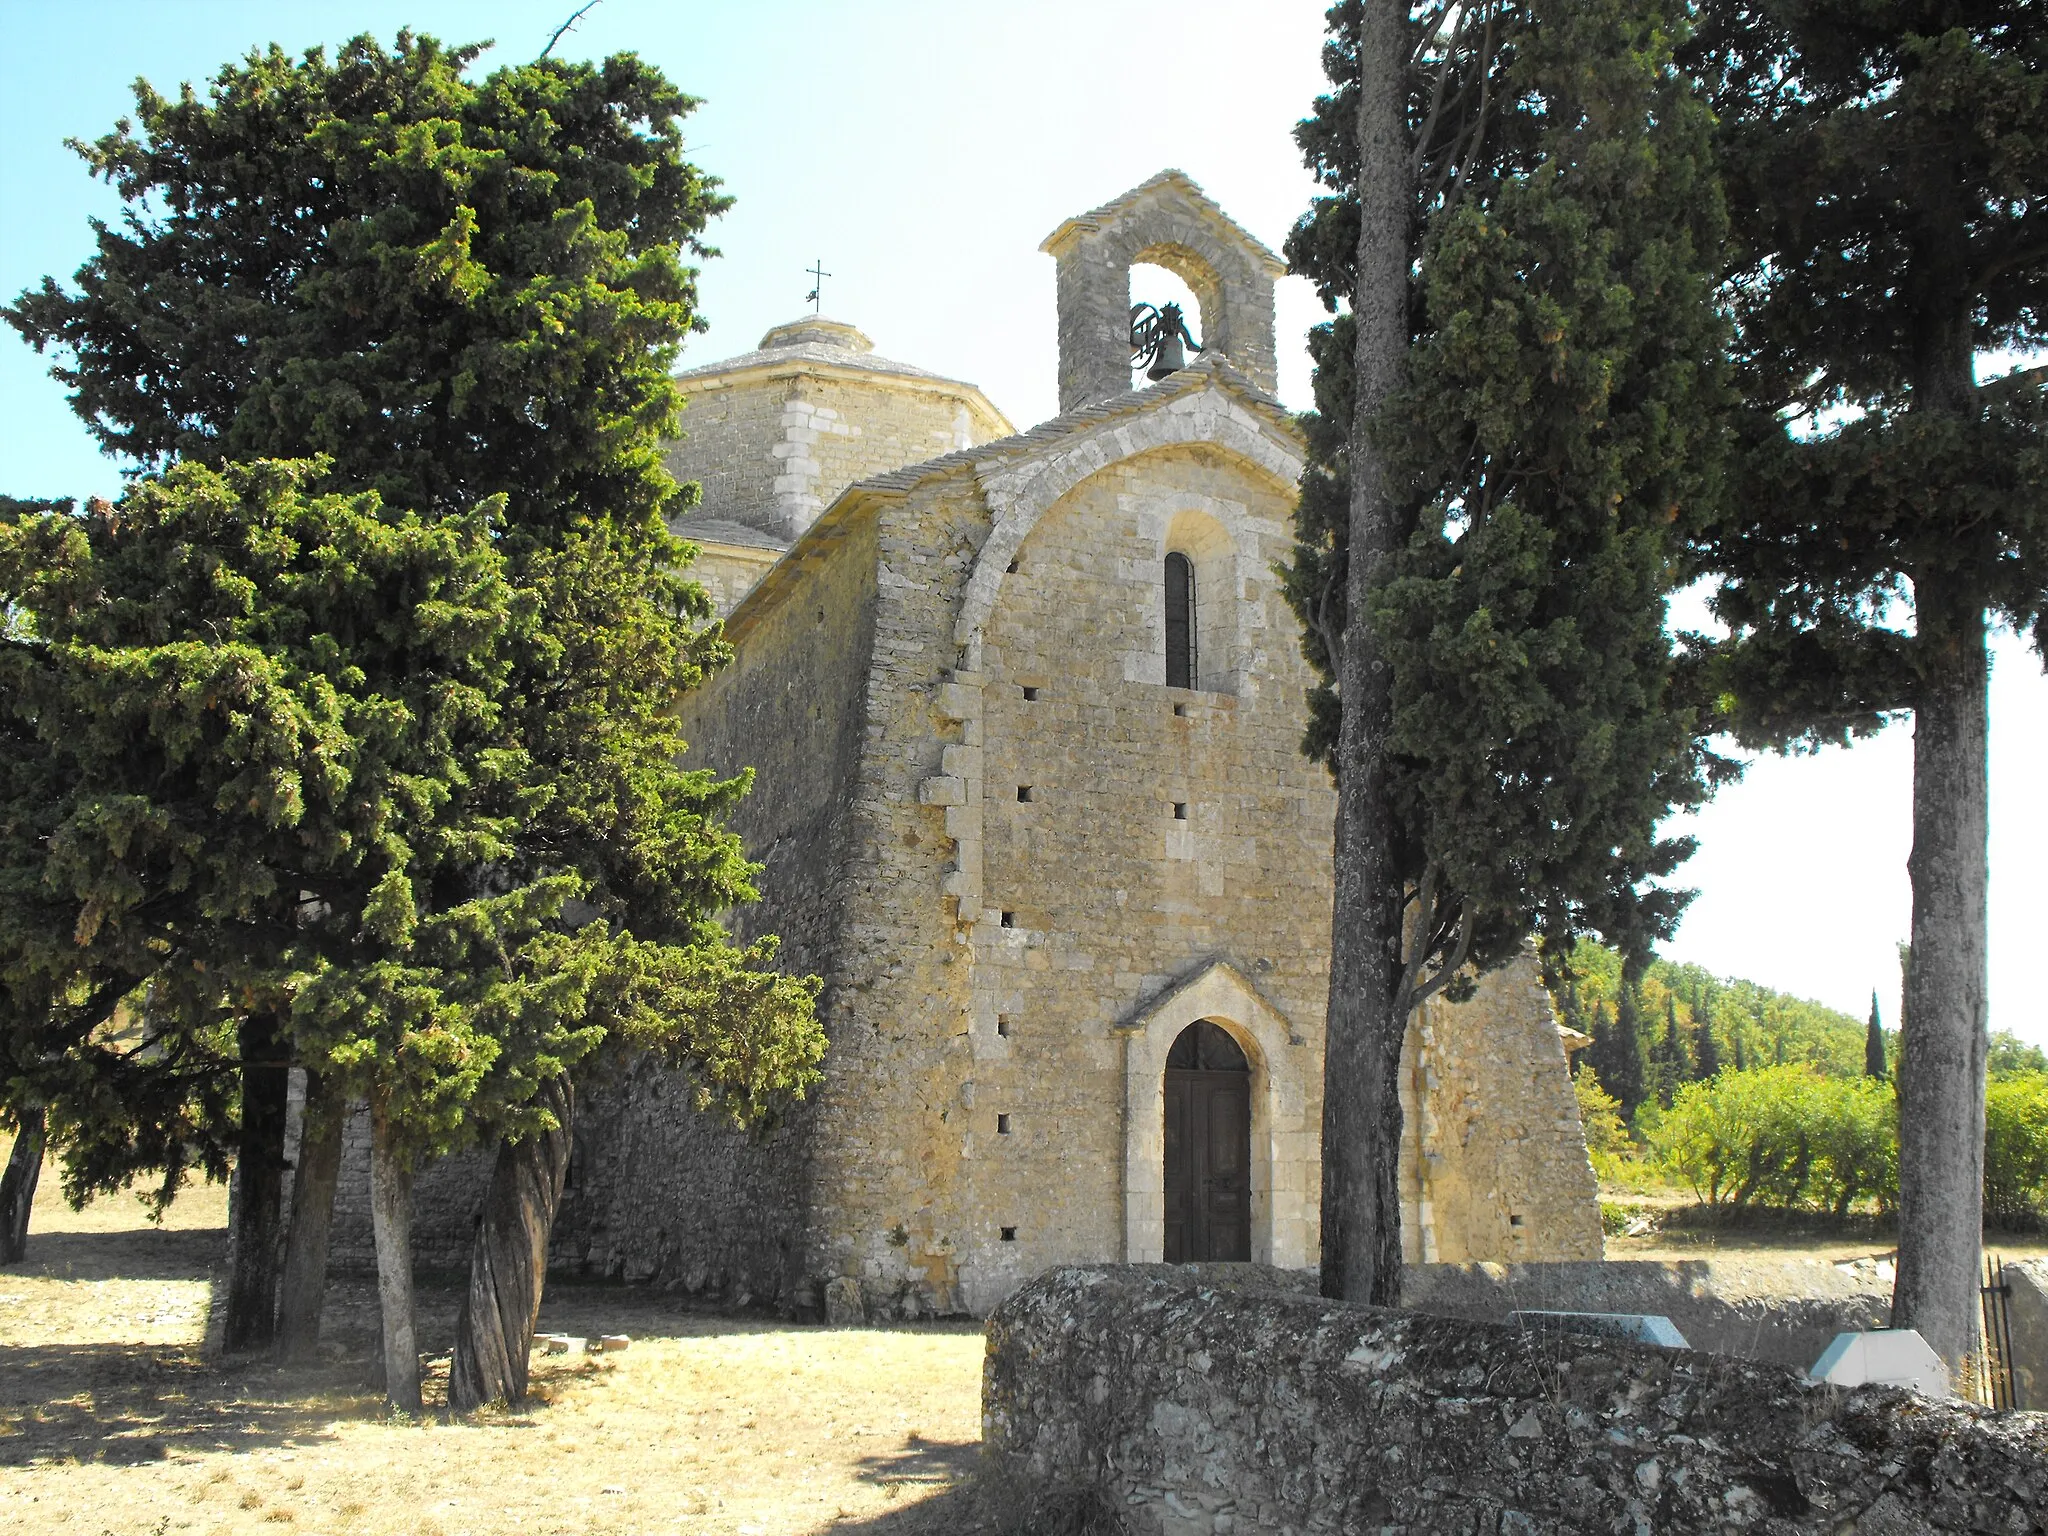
<point>1168,1406</point>
<point>1494,1157</point>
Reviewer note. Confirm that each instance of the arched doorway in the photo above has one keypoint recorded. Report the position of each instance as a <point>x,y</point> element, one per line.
<point>1208,1147</point>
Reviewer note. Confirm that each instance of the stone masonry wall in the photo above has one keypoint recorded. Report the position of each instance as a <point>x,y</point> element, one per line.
<point>1495,1156</point>
<point>1163,1404</point>
<point>774,447</point>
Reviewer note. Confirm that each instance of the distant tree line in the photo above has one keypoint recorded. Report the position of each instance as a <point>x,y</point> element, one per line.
<point>1749,1097</point>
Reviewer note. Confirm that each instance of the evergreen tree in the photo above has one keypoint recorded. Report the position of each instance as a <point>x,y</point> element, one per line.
<point>467,297</point>
<point>1617,1052</point>
<point>1706,1055</point>
<point>1886,170</point>
<point>1503,461</point>
<point>1735,1042</point>
<point>1670,1066</point>
<point>1874,1064</point>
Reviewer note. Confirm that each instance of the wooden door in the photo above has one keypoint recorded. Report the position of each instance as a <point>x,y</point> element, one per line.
<point>1208,1150</point>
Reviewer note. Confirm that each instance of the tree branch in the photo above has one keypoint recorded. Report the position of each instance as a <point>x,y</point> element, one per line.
<point>581,12</point>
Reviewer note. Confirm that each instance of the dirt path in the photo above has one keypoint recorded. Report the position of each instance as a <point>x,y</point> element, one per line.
<point>112,1423</point>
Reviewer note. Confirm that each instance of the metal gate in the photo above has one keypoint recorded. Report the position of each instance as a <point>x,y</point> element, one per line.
<point>1997,1356</point>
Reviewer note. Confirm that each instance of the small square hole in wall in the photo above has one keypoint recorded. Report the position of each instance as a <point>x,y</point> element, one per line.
<point>1513,1221</point>
<point>1030,695</point>
<point>1011,568</point>
<point>1024,794</point>
<point>1003,1024</point>
<point>1009,919</point>
<point>1180,711</point>
<point>1009,1234</point>
<point>1180,810</point>
<point>1003,1129</point>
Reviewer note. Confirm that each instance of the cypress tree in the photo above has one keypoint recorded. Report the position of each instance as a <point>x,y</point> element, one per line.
<point>1672,1064</point>
<point>1515,422</point>
<point>1706,1055</point>
<point>1874,1064</point>
<point>1735,1042</point>
<point>1886,171</point>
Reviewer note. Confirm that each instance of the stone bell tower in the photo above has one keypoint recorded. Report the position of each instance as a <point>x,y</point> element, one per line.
<point>1168,222</point>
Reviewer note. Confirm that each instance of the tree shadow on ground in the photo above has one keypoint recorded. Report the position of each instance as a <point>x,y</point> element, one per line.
<point>943,1470</point>
<point>126,1404</point>
<point>143,1253</point>
<point>955,1511</point>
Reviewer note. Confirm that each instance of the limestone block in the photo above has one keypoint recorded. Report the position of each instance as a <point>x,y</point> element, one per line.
<point>942,789</point>
<point>2027,1315</point>
<point>843,1307</point>
<point>1896,1357</point>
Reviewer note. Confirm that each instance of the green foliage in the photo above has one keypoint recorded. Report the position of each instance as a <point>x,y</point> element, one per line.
<point>1885,168</point>
<point>2010,1054</point>
<point>391,752</point>
<point>1780,1136</point>
<point>451,288</point>
<point>2016,1150</point>
<point>287,728</point>
<point>1607,1138</point>
<point>1556,443</point>
<point>1747,1023</point>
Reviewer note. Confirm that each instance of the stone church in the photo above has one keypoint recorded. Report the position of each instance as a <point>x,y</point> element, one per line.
<point>1024,711</point>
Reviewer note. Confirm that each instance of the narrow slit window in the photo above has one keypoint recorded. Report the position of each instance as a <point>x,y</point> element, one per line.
<point>1180,621</point>
<point>1003,1129</point>
<point>1180,810</point>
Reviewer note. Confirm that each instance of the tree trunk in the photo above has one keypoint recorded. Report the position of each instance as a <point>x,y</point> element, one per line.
<point>391,1226</point>
<point>18,1183</point>
<point>1361,1207</point>
<point>256,1248</point>
<point>508,1264</point>
<point>1945,1047</point>
<point>304,1288</point>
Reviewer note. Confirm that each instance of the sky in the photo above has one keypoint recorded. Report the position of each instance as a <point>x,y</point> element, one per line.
<point>921,151</point>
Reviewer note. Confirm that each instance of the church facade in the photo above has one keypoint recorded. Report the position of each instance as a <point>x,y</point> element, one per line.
<point>1024,712</point>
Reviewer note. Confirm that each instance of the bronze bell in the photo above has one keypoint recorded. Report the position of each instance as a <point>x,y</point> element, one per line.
<point>1170,358</point>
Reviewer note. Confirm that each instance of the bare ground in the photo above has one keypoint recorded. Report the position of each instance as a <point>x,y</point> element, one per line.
<point>114,1423</point>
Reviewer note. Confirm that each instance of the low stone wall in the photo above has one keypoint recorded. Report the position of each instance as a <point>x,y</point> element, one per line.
<point>1144,1400</point>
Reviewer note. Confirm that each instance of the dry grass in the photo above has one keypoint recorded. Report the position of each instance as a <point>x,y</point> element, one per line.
<point>112,1422</point>
<point>1684,1231</point>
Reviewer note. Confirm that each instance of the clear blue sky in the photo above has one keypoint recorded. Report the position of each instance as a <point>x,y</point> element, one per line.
<point>923,150</point>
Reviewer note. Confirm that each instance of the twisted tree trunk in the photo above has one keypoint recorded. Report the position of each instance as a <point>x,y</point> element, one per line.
<point>303,1292</point>
<point>18,1183</point>
<point>508,1263</point>
<point>1361,1208</point>
<point>256,1245</point>
<point>391,1227</point>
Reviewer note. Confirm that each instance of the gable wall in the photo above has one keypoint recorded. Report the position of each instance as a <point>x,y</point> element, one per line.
<point>1113,901</point>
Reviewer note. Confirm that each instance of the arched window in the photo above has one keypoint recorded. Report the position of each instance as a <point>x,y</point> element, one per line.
<point>1180,621</point>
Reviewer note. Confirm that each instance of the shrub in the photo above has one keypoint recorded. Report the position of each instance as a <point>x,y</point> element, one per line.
<point>2016,1150</point>
<point>1780,1136</point>
<point>1607,1138</point>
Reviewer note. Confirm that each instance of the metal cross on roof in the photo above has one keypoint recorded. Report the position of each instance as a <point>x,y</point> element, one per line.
<point>818,276</point>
